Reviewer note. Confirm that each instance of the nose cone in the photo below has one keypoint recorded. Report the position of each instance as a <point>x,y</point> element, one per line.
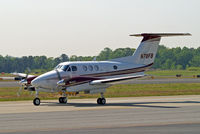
<point>45,80</point>
<point>23,82</point>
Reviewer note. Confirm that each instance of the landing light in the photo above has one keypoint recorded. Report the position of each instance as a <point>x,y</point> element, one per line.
<point>61,83</point>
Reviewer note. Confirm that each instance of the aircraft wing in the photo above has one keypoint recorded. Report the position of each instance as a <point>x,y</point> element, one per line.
<point>19,76</point>
<point>23,75</point>
<point>95,81</point>
<point>115,80</point>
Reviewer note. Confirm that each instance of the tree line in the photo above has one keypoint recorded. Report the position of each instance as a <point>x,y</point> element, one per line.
<point>166,58</point>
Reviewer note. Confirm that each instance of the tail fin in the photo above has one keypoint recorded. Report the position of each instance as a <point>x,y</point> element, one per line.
<point>146,52</point>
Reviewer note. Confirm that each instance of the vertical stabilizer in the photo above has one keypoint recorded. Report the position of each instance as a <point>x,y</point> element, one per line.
<point>146,52</point>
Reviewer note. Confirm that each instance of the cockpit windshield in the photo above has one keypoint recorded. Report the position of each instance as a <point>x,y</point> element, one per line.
<point>58,66</point>
<point>65,67</point>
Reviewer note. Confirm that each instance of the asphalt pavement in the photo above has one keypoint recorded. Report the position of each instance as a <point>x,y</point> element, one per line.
<point>152,115</point>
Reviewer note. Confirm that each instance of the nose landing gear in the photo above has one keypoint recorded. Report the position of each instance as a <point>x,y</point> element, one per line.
<point>36,101</point>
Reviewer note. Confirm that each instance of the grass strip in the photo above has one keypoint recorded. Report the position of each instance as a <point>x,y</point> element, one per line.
<point>129,90</point>
<point>172,72</point>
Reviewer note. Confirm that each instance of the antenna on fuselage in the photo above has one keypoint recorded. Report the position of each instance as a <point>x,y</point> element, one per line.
<point>94,59</point>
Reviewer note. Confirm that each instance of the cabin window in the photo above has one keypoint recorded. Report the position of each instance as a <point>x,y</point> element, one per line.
<point>115,67</point>
<point>90,67</point>
<point>74,68</point>
<point>96,68</point>
<point>85,68</point>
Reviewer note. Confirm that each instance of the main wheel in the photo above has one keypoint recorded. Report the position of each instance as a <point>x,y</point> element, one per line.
<point>60,100</point>
<point>63,100</point>
<point>103,101</point>
<point>36,101</point>
<point>99,101</point>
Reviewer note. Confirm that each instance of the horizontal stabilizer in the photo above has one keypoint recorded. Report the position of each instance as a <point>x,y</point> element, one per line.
<point>161,34</point>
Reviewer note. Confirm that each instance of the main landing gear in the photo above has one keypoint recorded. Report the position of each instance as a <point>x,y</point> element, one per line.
<point>63,99</point>
<point>102,100</point>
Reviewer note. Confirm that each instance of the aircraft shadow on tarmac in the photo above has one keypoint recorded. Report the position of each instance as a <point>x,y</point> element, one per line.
<point>136,104</point>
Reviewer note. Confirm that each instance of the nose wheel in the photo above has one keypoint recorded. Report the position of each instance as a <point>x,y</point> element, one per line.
<point>36,101</point>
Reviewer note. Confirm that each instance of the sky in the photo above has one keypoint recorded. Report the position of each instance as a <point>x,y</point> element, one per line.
<point>85,27</point>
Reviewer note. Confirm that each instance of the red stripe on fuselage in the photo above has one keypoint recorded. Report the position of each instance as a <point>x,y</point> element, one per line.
<point>90,77</point>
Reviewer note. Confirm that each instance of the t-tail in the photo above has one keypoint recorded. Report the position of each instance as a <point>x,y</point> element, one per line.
<point>146,52</point>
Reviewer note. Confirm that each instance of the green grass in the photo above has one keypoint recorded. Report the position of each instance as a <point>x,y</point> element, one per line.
<point>6,75</point>
<point>154,89</point>
<point>10,94</point>
<point>172,72</point>
<point>131,90</point>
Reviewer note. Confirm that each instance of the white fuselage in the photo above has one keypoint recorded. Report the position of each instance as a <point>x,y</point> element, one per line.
<point>102,69</point>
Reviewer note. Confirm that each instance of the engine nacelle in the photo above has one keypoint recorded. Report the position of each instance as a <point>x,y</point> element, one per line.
<point>95,91</point>
<point>30,88</point>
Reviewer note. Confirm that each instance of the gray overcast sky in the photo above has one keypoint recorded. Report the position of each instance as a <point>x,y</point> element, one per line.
<point>85,27</point>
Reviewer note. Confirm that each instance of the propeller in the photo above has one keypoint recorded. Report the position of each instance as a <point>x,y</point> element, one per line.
<point>58,74</point>
<point>23,82</point>
<point>59,78</point>
<point>20,90</point>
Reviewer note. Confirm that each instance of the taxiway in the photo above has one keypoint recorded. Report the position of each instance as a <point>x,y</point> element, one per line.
<point>163,114</point>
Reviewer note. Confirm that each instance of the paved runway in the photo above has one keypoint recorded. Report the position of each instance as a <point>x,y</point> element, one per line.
<point>138,81</point>
<point>9,83</point>
<point>152,115</point>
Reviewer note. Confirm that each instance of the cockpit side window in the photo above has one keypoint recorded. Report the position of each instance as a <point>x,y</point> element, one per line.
<point>74,68</point>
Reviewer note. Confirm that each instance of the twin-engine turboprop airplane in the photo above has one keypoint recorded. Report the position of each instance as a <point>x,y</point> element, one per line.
<point>95,76</point>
